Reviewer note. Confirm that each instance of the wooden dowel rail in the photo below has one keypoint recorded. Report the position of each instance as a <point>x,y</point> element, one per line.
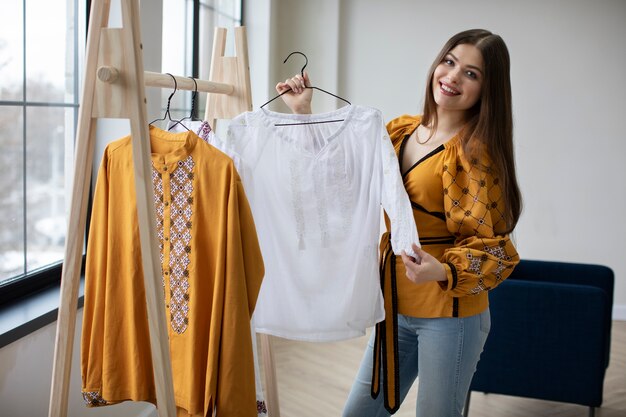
<point>110,74</point>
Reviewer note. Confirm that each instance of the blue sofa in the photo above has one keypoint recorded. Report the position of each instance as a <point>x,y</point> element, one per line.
<point>550,334</point>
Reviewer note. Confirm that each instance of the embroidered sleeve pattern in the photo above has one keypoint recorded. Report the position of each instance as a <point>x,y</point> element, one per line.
<point>481,257</point>
<point>94,399</point>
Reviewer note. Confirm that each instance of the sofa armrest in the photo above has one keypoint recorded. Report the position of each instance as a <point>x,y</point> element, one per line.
<point>567,273</point>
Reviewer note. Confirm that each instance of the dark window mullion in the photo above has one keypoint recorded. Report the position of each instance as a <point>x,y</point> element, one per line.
<point>24,229</point>
<point>195,54</point>
<point>76,53</point>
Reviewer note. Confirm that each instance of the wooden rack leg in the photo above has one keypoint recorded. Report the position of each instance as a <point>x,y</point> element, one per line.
<point>135,99</point>
<point>269,373</point>
<point>74,239</point>
<point>146,213</point>
<point>70,277</point>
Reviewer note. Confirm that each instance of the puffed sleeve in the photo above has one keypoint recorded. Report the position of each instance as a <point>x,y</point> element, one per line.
<point>401,126</point>
<point>482,256</point>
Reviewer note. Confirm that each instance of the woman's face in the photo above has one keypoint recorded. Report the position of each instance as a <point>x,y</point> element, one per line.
<point>458,79</point>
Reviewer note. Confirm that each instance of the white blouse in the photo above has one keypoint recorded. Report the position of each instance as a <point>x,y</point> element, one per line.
<point>316,191</point>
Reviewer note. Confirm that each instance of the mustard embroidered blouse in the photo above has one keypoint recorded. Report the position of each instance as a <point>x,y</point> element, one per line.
<point>212,272</point>
<point>457,209</point>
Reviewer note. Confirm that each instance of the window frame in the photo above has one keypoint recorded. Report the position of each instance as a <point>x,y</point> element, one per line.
<point>31,283</point>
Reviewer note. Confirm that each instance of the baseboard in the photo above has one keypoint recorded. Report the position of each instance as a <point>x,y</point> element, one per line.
<point>619,312</point>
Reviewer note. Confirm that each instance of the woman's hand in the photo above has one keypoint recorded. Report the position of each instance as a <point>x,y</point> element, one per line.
<point>426,268</point>
<point>299,98</point>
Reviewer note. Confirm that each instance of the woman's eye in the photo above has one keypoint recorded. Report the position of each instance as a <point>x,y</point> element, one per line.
<point>448,62</point>
<point>471,74</point>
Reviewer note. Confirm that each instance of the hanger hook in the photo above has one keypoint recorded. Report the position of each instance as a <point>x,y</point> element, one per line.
<point>174,79</point>
<point>169,99</point>
<point>305,64</point>
<point>195,84</point>
<point>193,98</point>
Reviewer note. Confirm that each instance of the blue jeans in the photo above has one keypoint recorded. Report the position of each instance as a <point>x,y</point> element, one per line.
<point>444,353</point>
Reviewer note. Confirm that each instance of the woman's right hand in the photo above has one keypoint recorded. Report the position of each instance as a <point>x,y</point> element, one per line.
<point>299,98</point>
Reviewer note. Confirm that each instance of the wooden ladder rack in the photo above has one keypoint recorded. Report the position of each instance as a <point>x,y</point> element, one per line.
<point>114,87</point>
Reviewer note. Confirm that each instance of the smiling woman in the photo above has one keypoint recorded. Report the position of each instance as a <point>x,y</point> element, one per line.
<point>457,168</point>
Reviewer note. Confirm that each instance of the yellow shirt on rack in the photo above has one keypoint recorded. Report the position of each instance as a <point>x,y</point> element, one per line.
<point>212,272</point>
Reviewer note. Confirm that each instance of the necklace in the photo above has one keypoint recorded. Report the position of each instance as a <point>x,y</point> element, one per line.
<point>417,138</point>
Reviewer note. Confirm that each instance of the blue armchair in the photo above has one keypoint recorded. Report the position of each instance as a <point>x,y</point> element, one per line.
<point>550,334</point>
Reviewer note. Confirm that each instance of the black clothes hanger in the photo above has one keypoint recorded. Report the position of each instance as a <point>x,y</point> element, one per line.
<point>316,88</point>
<point>194,101</point>
<point>167,115</point>
<point>192,113</point>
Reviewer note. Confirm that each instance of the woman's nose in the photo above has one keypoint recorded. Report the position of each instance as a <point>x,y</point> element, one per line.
<point>454,74</point>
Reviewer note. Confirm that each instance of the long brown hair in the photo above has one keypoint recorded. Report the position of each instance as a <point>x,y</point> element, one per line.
<point>490,121</point>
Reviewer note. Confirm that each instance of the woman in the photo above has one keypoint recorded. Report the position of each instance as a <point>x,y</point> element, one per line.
<point>459,172</point>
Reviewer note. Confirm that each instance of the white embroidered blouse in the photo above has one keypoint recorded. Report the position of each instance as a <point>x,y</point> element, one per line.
<point>316,192</point>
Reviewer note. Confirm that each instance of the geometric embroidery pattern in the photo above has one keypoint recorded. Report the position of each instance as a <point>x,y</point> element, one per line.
<point>93,399</point>
<point>157,182</point>
<point>476,263</point>
<point>181,187</point>
<point>499,252</point>
<point>474,202</point>
<point>481,201</point>
<point>261,408</point>
<point>181,211</point>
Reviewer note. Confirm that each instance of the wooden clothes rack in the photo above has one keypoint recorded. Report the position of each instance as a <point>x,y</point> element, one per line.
<point>114,87</point>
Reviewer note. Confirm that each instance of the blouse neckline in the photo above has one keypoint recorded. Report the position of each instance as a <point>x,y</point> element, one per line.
<point>270,118</point>
<point>446,145</point>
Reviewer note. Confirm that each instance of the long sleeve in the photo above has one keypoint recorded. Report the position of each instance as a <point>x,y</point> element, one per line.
<point>482,256</point>
<point>244,271</point>
<point>95,284</point>
<point>113,353</point>
<point>395,200</point>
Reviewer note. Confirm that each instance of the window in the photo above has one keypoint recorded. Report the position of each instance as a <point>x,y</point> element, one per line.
<point>188,27</point>
<point>39,44</point>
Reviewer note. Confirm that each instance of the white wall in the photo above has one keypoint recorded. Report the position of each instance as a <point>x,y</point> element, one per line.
<point>293,25</point>
<point>569,94</point>
<point>26,374</point>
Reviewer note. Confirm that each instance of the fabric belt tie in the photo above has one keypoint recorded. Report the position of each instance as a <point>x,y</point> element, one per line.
<point>386,337</point>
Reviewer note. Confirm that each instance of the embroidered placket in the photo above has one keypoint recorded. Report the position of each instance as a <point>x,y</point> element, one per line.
<point>173,189</point>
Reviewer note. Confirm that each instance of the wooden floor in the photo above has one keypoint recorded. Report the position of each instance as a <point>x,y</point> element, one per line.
<point>314,380</point>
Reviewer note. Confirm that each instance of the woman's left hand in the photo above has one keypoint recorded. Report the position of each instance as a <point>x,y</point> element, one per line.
<point>426,268</point>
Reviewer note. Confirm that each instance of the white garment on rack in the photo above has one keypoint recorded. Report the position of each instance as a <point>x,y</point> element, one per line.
<point>204,131</point>
<point>316,192</point>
